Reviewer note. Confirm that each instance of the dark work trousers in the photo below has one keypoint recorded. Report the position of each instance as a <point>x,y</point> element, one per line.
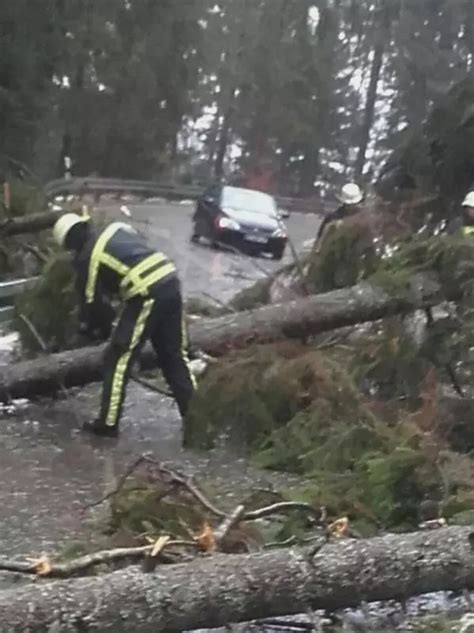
<point>158,317</point>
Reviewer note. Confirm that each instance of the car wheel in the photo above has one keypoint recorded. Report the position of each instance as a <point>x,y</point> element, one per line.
<point>213,238</point>
<point>195,236</point>
<point>278,253</point>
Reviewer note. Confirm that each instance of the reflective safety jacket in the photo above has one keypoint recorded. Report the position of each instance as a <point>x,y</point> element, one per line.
<point>458,227</point>
<point>336,218</point>
<point>117,262</point>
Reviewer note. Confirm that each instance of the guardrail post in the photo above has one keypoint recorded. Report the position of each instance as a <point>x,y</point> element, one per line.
<point>7,201</point>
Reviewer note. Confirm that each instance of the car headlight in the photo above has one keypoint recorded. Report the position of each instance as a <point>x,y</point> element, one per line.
<point>228,223</point>
<point>279,232</point>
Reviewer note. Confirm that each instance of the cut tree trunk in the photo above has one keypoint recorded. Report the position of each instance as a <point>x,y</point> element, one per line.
<point>30,223</point>
<point>297,319</point>
<point>216,590</point>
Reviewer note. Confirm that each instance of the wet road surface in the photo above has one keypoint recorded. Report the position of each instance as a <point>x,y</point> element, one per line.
<point>202,269</point>
<point>49,471</point>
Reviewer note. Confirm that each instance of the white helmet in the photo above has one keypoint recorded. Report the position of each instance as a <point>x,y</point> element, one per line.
<point>65,224</point>
<point>350,194</point>
<point>468,200</point>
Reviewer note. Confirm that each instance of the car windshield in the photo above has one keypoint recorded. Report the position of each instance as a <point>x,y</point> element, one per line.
<point>248,200</point>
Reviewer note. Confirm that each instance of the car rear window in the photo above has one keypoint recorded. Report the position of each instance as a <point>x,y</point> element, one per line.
<point>248,200</point>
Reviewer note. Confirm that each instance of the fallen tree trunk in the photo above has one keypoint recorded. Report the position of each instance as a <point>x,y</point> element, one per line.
<point>30,223</point>
<point>216,590</point>
<point>296,319</point>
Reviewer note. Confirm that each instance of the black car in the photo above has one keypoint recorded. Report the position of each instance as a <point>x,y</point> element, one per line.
<point>240,218</point>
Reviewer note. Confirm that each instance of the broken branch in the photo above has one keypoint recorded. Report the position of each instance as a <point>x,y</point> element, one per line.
<point>228,523</point>
<point>43,567</point>
<point>283,506</point>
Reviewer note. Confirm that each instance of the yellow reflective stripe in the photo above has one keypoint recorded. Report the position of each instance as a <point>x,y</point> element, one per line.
<point>162,272</point>
<point>468,230</point>
<point>116,391</point>
<point>146,282</point>
<point>184,350</point>
<point>115,264</point>
<point>96,257</point>
<point>148,262</point>
<point>123,362</point>
<point>134,274</point>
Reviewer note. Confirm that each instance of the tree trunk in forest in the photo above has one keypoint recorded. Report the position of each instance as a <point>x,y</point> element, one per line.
<point>72,101</point>
<point>227,105</point>
<point>223,140</point>
<point>231,80</point>
<point>297,319</point>
<point>469,31</point>
<point>375,72</point>
<point>327,37</point>
<point>217,590</point>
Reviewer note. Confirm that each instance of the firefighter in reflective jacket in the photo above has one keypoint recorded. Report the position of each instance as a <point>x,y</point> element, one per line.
<point>118,262</point>
<point>464,223</point>
<point>468,214</point>
<point>350,198</point>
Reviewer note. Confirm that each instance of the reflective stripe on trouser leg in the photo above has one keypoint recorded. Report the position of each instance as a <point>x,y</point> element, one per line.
<point>184,350</point>
<point>121,367</point>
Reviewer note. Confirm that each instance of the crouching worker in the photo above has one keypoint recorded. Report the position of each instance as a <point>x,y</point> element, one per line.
<point>117,262</point>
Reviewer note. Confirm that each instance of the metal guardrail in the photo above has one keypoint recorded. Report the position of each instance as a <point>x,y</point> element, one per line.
<point>6,314</point>
<point>146,189</point>
<point>14,287</point>
<point>8,291</point>
<point>82,186</point>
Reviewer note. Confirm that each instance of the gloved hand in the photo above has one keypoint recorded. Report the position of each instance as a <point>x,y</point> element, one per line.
<point>97,322</point>
<point>91,335</point>
<point>103,321</point>
<point>84,329</point>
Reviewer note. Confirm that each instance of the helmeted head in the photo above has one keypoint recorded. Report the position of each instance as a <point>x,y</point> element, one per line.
<point>468,206</point>
<point>68,227</point>
<point>350,194</point>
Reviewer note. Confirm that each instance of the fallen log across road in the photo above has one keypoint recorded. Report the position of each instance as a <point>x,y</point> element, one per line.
<point>220,589</point>
<point>296,319</point>
<point>31,223</point>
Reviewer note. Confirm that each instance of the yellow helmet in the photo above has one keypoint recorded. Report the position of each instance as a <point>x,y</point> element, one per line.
<point>65,224</point>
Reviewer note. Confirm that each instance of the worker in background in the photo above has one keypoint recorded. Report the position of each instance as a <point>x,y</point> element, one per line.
<point>350,198</point>
<point>463,224</point>
<point>468,214</point>
<point>118,262</point>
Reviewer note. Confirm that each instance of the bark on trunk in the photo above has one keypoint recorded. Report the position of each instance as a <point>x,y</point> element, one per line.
<point>29,223</point>
<point>213,591</point>
<point>297,319</point>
